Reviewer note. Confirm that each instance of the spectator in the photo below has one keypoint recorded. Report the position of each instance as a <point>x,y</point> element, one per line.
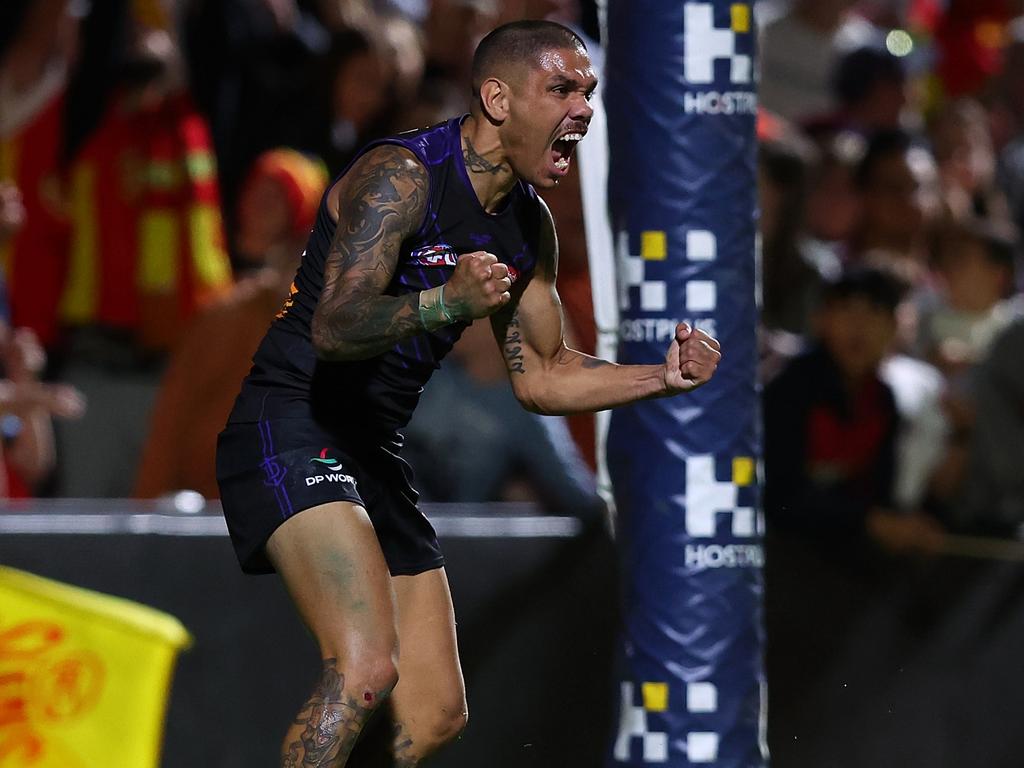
<point>250,63</point>
<point>359,98</point>
<point>277,208</point>
<point>34,69</point>
<point>799,50</point>
<point>992,498</point>
<point>870,88</point>
<point>831,425</point>
<point>833,205</point>
<point>897,184</point>
<point>146,250</point>
<point>791,280</point>
<point>453,29</point>
<point>26,404</point>
<point>967,163</point>
<point>976,264</point>
<point>27,407</point>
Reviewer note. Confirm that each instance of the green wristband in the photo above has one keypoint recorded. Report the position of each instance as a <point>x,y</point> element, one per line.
<point>433,313</point>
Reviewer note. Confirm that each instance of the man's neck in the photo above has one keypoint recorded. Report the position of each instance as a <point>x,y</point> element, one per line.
<point>489,172</point>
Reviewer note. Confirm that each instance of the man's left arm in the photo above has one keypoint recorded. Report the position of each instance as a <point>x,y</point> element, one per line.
<point>548,377</point>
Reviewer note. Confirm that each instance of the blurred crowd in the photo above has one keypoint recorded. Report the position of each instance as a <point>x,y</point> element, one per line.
<point>890,139</point>
<point>161,164</point>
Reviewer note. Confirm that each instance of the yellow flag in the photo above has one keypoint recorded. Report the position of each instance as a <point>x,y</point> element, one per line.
<point>84,677</point>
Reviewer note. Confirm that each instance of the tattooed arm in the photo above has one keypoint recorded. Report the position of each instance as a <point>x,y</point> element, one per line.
<point>381,201</point>
<point>550,378</point>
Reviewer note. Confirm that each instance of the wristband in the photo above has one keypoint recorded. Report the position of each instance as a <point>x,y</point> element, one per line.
<point>433,312</point>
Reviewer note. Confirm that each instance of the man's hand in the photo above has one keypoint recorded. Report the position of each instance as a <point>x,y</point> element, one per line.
<point>478,287</point>
<point>691,360</point>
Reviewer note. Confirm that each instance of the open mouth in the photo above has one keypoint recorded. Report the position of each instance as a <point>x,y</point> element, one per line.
<point>562,149</point>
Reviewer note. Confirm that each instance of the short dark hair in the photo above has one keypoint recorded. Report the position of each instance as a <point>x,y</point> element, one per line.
<point>997,236</point>
<point>880,287</point>
<point>518,43</point>
<point>859,71</point>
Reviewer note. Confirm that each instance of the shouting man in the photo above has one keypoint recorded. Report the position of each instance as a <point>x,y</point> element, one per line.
<point>422,234</point>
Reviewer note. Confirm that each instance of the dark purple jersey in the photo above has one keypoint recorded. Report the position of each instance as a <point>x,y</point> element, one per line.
<point>377,395</point>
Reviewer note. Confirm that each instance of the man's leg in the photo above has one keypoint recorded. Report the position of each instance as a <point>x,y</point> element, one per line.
<point>332,565</point>
<point>429,702</point>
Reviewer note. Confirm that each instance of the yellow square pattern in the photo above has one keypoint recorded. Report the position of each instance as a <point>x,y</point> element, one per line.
<point>743,470</point>
<point>653,245</point>
<point>655,696</point>
<point>740,13</point>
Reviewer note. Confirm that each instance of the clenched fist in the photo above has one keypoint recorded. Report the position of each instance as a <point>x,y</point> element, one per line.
<point>478,287</point>
<point>691,360</point>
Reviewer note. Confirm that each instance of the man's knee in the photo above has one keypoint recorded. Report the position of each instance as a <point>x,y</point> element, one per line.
<point>443,722</point>
<point>365,677</point>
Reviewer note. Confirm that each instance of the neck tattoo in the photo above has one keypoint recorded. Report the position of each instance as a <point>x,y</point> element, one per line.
<point>478,163</point>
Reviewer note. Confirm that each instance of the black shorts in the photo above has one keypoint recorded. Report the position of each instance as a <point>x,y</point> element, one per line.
<point>273,469</point>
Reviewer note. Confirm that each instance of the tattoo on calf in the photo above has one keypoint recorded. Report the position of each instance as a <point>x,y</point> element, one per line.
<point>477,163</point>
<point>403,755</point>
<point>332,722</point>
<point>513,346</point>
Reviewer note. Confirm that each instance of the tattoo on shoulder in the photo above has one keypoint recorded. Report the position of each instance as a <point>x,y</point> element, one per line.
<point>513,346</point>
<point>477,163</point>
<point>376,208</point>
<point>383,202</point>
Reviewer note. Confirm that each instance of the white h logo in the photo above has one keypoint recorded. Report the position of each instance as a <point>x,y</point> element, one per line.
<point>706,496</point>
<point>705,42</point>
<point>701,295</point>
<point>632,724</point>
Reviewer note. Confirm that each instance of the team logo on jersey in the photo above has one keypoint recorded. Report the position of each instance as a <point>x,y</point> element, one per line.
<point>439,255</point>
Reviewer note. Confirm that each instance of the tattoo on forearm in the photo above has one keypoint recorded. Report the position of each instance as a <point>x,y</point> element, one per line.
<point>331,721</point>
<point>513,346</point>
<point>380,204</point>
<point>569,356</point>
<point>477,163</point>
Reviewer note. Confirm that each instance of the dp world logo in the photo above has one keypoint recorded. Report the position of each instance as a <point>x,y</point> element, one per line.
<point>706,44</point>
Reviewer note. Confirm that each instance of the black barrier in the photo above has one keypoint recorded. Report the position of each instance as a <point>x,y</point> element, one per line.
<point>534,597</point>
<point>892,662</point>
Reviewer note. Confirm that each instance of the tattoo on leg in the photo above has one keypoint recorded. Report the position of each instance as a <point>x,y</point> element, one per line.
<point>404,758</point>
<point>331,720</point>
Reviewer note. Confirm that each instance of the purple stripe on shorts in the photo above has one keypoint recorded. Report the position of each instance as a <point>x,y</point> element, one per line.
<point>273,471</point>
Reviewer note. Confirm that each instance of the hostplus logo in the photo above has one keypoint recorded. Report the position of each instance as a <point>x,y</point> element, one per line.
<point>709,501</point>
<point>723,51</point>
<point>332,468</point>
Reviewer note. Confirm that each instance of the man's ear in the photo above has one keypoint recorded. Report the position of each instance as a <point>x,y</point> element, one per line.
<point>494,98</point>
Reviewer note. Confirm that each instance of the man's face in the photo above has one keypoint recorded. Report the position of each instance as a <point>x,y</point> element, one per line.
<point>857,333</point>
<point>549,112</point>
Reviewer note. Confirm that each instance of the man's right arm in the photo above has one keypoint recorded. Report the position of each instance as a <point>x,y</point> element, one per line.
<point>381,201</point>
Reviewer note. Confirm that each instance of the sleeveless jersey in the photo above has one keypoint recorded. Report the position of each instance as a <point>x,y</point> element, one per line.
<point>376,396</point>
